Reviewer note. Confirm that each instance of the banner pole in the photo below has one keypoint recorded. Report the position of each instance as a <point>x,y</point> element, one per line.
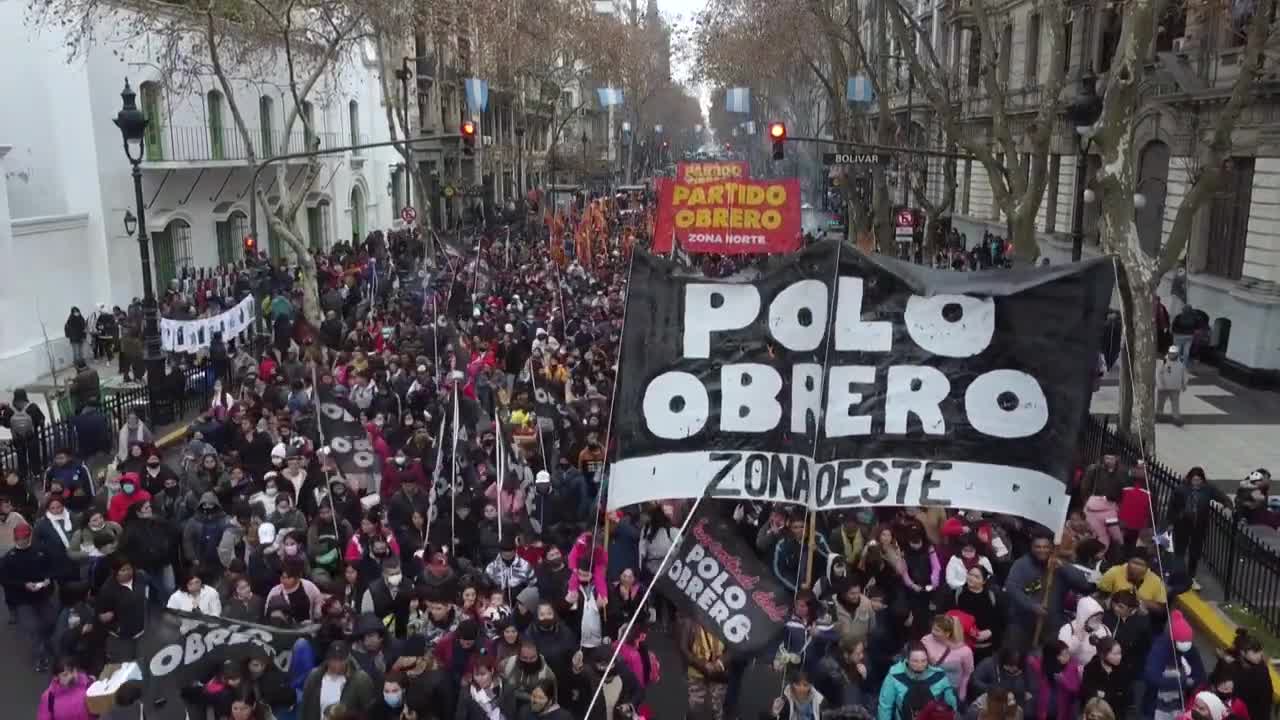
<point>453,478</point>
<point>812,542</point>
<point>437,471</point>
<point>644,600</point>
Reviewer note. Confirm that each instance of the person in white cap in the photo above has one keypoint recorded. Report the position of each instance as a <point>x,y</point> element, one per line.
<point>1171,382</point>
<point>1206,706</point>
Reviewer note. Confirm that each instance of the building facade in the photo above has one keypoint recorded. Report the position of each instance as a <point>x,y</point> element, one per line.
<point>68,183</point>
<point>1232,264</point>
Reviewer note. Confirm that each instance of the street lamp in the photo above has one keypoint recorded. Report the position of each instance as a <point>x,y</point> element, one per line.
<point>130,223</point>
<point>585,140</point>
<point>133,128</point>
<point>1083,113</point>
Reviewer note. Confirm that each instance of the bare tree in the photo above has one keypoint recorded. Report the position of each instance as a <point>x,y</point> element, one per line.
<point>1113,138</point>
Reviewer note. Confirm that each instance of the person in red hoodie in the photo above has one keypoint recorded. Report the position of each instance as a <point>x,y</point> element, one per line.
<point>1222,683</point>
<point>131,493</point>
<point>1135,507</point>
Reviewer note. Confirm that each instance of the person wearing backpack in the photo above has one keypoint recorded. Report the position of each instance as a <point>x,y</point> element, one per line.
<point>24,420</point>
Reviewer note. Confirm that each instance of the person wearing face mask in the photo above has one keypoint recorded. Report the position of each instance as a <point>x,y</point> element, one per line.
<point>554,640</point>
<point>66,698</point>
<point>149,540</point>
<point>156,473</point>
<point>131,493</point>
<point>402,482</point>
<point>392,704</point>
<point>285,515</point>
<point>1083,632</point>
<point>523,672</point>
<point>1172,670</point>
<point>387,597</point>
<point>1223,686</point>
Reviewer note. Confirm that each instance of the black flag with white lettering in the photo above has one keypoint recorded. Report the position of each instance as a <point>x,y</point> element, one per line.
<point>180,650</point>
<point>714,576</point>
<point>836,379</point>
<point>344,435</point>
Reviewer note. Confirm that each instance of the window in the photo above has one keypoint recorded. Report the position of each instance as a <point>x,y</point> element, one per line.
<point>318,226</point>
<point>172,252</point>
<point>1172,27</point>
<point>464,55</point>
<point>155,121</point>
<point>975,57</point>
<point>1051,209</point>
<point>1031,72</point>
<point>1153,171</point>
<point>308,127</point>
<point>1006,54</point>
<point>1111,25</point>
<point>266,120</point>
<point>1066,43</point>
<point>217,150</point>
<point>231,233</point>
<point>353,119</point>
<point>1229,221</point>
<point>397,187</point>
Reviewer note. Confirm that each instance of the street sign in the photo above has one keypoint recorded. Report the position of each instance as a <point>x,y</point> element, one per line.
<point>854,159</point>
<point>904,226</point>
<point>408,214</point>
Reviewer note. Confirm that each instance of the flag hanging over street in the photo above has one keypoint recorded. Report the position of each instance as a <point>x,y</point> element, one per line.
<point>477,94</point>
<point>842,380</point>
<point>737,100</point>
<point>609,96</point>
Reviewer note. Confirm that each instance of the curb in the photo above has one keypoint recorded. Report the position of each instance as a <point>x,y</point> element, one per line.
<point>173,437</point>
<point>1210,621</point>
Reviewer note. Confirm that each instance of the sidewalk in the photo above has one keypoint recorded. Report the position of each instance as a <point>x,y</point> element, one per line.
<point>1229,430</point>
<point>43,391</point>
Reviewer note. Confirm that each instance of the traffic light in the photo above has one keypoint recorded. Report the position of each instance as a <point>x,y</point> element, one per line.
<point>250,246</point>
<point>778,134</point>
<point>468,138</point>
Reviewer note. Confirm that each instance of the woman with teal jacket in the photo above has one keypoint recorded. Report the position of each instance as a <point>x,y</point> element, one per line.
<point>912,683</point>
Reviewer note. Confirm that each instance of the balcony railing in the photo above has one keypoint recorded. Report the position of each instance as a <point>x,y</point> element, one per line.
<point>204,144</point>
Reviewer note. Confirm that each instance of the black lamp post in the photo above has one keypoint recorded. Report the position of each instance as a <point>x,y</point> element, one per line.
<point>585,140</point>
<point>1083,113</point>
<point>133,127</point>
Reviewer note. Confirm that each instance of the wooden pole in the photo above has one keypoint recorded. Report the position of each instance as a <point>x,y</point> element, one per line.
<point>1051,569</point>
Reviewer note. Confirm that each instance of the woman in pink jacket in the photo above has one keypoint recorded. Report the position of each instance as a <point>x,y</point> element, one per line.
<point>65,698</point>
<point>1055,676</point>
<point>599,563</point>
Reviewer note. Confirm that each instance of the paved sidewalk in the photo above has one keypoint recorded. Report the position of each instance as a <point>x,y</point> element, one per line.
<point>43,391</point>
<point>1229,430</point>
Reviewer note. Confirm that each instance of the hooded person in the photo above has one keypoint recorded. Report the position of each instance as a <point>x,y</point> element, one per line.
<point>1083,632</point>
<point>131,493</point>
<point>1205,706</point>
<point>202,535</point>
<point>1172,669</point>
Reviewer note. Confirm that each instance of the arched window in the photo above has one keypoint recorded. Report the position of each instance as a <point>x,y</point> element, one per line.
<point>357,214</point>
<point>151,107</point>
<point>266,122</point>
<point>172,248</point>
<point>353,119</point>
<point>231,233</point>
<point>217,147</point>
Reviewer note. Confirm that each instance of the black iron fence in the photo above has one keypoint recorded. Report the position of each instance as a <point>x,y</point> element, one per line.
<point>88,433</point>
<point>1247,567</point>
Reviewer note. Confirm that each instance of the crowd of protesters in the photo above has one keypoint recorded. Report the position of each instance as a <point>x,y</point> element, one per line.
<point>505,594</point>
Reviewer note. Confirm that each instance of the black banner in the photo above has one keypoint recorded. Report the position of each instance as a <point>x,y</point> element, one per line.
<point>835,379</point>
<point>179,650</point>
<point>714,576</point>
<point>344,435</point>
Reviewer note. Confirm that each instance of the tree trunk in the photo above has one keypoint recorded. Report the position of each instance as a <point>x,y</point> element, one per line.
<point>1022,228</point>
<point>1138,313</point>
<point>311,309</point>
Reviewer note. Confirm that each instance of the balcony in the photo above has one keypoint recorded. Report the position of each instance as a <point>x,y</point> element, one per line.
<point>186,145</point>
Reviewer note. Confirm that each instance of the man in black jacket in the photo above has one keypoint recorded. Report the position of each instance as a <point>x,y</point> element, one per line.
<point>122,609</point>
<point>29,590</point>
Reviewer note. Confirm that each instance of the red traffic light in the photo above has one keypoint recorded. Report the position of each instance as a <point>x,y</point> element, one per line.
<point>777,131</point>
<point>249,243</point>
<point>469,129</point>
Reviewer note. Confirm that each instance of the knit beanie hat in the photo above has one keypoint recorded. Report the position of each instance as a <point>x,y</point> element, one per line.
<point>1179,628</point>
<point>1217,709</point>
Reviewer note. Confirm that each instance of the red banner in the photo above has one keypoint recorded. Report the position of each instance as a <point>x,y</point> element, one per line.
<point>697,173</point>
<point>729,217</point>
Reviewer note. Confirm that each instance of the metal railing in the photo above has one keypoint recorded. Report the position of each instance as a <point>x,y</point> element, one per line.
<point>91,432</point>
<point>1247,567</point>
<point>203,144</point>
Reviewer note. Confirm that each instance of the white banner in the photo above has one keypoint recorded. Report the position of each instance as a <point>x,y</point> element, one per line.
<point>186,336</point>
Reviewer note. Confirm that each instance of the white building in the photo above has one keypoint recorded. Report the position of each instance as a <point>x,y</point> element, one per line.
<point>66,181</point>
